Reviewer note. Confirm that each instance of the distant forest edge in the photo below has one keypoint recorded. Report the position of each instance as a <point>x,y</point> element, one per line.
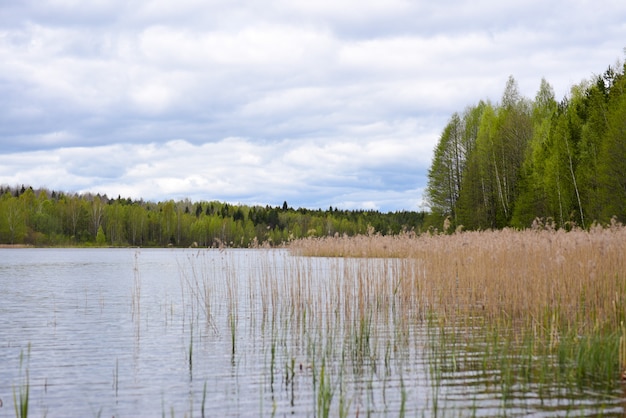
<point>521,161</point>
<point>49,218</point>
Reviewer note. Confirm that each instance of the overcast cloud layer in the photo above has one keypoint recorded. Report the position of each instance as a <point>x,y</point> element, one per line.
<point>319,103</point>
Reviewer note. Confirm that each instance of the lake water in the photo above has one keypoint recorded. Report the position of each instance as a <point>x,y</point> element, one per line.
<point>170,332</point>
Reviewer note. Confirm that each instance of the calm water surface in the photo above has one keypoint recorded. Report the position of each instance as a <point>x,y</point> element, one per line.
<point>153,332</point>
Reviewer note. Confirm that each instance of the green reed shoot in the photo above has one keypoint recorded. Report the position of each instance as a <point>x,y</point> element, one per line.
<point>21,399</point>
<point>324,392</point>
<point>344,403</point>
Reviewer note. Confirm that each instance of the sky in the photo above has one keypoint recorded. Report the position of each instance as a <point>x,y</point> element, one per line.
<point>315,102</point>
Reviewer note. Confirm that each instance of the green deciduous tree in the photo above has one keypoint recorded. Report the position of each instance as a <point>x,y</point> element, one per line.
<point>101,238</point>
<point>13,228</point>
<point>612,169</point>
<point>446,172</point>
<point>531,202</point>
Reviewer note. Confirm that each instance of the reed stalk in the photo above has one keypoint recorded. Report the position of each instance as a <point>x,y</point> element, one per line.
<point>324,392</point>
<point>197,281</point>
<point>622,350</point>
<point>21,399</point>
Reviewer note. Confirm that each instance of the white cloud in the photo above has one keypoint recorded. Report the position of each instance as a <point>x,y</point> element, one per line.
<point>313,102</point>
<point>235,170</point>
<point>152,97</point>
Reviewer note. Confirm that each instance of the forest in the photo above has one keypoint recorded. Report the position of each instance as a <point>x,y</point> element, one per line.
<point>522,162</point>
<point>50,218</point>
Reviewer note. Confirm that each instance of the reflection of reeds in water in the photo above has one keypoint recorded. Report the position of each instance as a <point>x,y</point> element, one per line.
<point>136,292</point>
<point>116,377</point>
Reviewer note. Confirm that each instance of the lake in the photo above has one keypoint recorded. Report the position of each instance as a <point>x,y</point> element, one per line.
<point>171,332</point>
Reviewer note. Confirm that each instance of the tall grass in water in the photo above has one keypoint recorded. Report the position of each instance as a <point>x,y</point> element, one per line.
<point>21,398</point>
<point>524,308</point>
<point>565,290</point>
<point>324,392</point>
<point>197,283</point>
<point>547,278</point>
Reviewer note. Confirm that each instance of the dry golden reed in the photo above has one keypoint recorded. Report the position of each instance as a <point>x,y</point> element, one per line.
<point>546,279</point>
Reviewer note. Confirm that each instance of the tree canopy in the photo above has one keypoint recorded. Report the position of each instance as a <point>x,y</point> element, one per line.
<point>511,163</point>
<point>42,217</point>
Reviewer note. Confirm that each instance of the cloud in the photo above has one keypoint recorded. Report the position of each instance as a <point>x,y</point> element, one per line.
<point>319,102</point>
<point>235,170</point>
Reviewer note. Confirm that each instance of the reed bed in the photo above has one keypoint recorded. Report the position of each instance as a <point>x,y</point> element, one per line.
<point>543,305</point>
<point>546,279</point>
<point>520,309</point>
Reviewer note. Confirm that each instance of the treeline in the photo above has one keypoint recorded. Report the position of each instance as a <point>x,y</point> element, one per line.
<point>509,164</point>
<point>48,218</point>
